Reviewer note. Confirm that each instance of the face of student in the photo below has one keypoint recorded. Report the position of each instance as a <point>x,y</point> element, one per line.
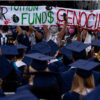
<point>53,29</point>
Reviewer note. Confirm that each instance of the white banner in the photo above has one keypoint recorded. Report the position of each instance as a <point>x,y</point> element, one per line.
<point>38,15</point>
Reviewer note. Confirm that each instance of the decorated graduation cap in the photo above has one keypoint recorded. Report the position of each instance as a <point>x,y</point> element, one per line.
<point>41,47</point>
<point>78,49</point>
<point>84,67</point>
<point>66,52</point>
<point>9,50</point>
<point>39,60</point>
<point>54,47</point>
<point>5,67</point>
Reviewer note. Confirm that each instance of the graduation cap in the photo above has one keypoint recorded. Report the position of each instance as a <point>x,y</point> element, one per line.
<point>66,52</point>
<point>39,60</point>
<point>41,47</point>
<point>54,47</point>
<point>5,67</point>
<point>77,46</point>
<point>9,50</point>
<point>78,49</point>
<point>96,43</point>
<point>84,67</point>
<point>21,46</point>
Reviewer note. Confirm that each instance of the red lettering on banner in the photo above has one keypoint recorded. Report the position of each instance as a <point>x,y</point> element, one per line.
<point>75,16</point>
<point>99,21</point>
<point>71,11</point>
<point>85,19</point>
<point>96,20</point>
<point>61,15</point>
<point>88,20</point>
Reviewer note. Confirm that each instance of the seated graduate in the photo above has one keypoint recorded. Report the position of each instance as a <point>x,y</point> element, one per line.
<point>19,65</point>
<point>11,81</point>
<point>21,52</point>
<point>5,69</point>
<point>83,80</point>
<point>44,82</point>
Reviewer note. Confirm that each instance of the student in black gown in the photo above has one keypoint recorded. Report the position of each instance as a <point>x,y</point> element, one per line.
<point>44,82</point>
<point>83,80</point>
<point>5,69</point>
<point>11,81</point>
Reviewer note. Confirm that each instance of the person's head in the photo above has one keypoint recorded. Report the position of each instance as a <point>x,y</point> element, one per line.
<point>53,29</point>
<point>83,78</point>
<point>4,28</point>
<point>82,83</point>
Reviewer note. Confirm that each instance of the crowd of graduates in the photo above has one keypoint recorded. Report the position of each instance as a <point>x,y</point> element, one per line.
<point>49,63</point>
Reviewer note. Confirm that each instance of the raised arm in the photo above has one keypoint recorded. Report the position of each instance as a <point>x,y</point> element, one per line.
<point>79,33</point>
<point>31,28</point>
<point>63,31</point>
<point>46,32</point>
<point>18,28</point>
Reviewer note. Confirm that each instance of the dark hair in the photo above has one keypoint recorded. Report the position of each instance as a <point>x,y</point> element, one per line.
<point>5,28</point>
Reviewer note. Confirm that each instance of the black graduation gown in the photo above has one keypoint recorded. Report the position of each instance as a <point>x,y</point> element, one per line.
<point>46,87</point>
<point>71,96</point>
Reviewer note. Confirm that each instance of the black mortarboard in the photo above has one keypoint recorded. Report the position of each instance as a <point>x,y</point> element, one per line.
<point>66,52</point>
<point>54,47</point>
<point>42,47</point>
<point>77,46</point>
<point>96,43</point>
<point>21,46</point>
<point>78,49</point>
<point>39,60</point>
<point>84,67</point>
<point>9,50</point>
